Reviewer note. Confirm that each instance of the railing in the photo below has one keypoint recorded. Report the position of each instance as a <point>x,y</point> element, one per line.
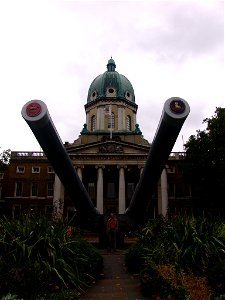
<point>177,155</point>
<point>29,154</point>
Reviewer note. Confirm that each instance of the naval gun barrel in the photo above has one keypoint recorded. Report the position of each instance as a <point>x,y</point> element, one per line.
<point>175,112</point>
<point>35,113</point>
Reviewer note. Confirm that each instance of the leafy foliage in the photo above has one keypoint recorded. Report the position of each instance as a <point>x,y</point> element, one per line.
<point>205,166</point>
<point>174,254</point>
<point>38,257</point>
<point>10,297</point>
<point>4,159</point>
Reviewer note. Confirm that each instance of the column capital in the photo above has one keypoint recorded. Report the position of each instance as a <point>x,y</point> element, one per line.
<point>140,166</point>
<point>79,166</point>
<point>99,166</point>
<point>121,166</point>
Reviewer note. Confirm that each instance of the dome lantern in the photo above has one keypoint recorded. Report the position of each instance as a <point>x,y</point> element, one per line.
<point>111,66</point>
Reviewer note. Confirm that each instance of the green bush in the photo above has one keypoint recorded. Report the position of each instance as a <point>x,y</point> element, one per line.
<point>38,257</point>
<point>155,282</point>
<point>194,246</point>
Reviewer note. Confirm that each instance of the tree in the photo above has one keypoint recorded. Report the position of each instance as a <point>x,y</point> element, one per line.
<point>205,164</point>
<point>4,158</point>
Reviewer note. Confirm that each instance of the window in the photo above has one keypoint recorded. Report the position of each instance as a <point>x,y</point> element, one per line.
<point>111,193</point>
<point>93,123</point>
<point>34,189</point>
<point>18,189</point>
<point>20,169</point>
<point>48,210</point>
<point>129,123</point>
<point>50,189</point>
<point>111,92</point>
<point>172,190</point>
<point>50,170</point>
<point>94,95</point>
<point>130,190</point>
<point>36,169</point>
<point>16,211</point>
<point>91,190</point>
<point>111,120</point>
<point>188,191</point>
<point>128,95</point>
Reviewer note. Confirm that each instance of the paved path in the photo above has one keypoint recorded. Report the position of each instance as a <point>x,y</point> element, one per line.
<point>115,282</point>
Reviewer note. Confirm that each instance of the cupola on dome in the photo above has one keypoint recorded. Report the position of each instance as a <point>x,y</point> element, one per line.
<point>111,84</point>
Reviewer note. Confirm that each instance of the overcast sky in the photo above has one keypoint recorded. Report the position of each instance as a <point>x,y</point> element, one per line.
<point>53,50</point>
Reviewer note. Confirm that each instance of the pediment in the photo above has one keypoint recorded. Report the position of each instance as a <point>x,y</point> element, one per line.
<point>108,147</point>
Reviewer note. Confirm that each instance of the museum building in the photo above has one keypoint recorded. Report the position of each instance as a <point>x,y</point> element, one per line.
<point>109,156</point>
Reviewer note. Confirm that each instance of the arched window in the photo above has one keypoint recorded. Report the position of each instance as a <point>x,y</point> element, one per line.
<point>111,120</point>
<point>93,123</point>
<point>129,123</point>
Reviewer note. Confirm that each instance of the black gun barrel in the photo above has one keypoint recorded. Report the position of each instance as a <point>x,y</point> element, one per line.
<point>35,113</point>
<point>175,112</point>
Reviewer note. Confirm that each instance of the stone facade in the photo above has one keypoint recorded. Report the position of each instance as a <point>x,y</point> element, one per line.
<point>108,155</point>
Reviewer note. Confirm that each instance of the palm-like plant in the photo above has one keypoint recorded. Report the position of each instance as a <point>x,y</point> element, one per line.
<point>192,245</point>
<point>38,256</point>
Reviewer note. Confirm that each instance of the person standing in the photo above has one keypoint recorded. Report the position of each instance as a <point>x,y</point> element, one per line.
<point>112,227</point>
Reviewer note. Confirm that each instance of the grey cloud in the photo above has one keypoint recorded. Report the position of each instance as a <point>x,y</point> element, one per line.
<point>171,30</point>
<point>182,30</point>
<point>187,30</point>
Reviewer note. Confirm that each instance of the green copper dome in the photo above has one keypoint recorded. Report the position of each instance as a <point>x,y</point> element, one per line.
<point>111,84</point>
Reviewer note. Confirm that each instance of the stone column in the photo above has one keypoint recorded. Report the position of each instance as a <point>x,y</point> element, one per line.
<point>122,202</point>
<point>141,168</point>
<point>163,194</point>
<point>79,172</point>
<point>135,121</point>
<point>100,189</point>
<point>100,118</point>
<point>121,118</point>
<point>120,122</point>
<point>58,200</point>
<point>87,120</point>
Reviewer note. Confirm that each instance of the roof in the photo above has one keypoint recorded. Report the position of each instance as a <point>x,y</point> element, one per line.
<point>111,84</point>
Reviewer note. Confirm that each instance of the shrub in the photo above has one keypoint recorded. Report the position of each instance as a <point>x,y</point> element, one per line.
<point>162,280</point>
<point>194,247</point>
<point>40,257</point>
